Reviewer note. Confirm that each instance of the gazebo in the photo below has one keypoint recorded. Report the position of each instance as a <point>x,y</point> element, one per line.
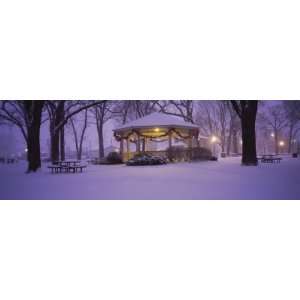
<point>156,127</point>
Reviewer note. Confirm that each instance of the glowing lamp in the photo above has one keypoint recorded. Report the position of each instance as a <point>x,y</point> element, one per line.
<point>213,139</point>
<point>281,143</point>
<point>26,150</point>
<point>272,134</point>
<point>156,129</point>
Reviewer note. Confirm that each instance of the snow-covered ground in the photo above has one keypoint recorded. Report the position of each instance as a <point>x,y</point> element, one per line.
<point>225,179</point>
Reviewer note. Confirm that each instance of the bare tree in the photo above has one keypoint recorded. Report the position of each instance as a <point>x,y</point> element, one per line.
<point>27,116</point>
<point>56,113</point>
<point>275,118</point>
<point>128,110</point>
<point>234,128</point>
<point>247,111</point>
<point>179,108</point>
<point>223,118</point>
<point>60,111</point>
<point>292,112</point>
<point>218,118</point>
<point>79,134</point>
<point>102,113</point>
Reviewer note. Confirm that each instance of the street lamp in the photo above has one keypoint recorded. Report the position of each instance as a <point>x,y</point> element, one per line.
<point>214,139</point>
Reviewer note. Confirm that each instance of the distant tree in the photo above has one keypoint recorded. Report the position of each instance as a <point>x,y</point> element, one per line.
<point>234,128</point>
<point>247,111</point>
<point>292,113</point>
<point>275,118</point>
<point>60,111</point>
<point>79,134</point>
<point>179,108</point>
<point>56,113</point>
<point>207,117</point>
<point>218,118</point>
<point>223,120</point>
<point>102,113</point>
<point>129,110</point>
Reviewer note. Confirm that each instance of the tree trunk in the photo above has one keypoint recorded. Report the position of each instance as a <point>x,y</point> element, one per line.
<point>223,140</point>
<point>55,134</point>
<point>235,141</point>
<point>290,138</point>
<point>55,147</point>
<point>79,153</point>
<point>34,111</point>
<point>62,133</point>
<point>100,139</point>
<point>229,140</point>
<point>34,157</point>
<point>249,140</point>
<point>62,144</point>
<point>247,111</point>
<point>276,143</point>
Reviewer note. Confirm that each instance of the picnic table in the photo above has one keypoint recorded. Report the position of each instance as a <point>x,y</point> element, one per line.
<point>270,158</point>
<point>8,160</point>
<point>67,166</point>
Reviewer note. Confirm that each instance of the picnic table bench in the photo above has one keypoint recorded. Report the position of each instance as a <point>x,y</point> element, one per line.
<point>270,159</point>
<point>67,167</point>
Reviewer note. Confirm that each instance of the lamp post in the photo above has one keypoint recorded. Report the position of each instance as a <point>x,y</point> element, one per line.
<point>214,140</point>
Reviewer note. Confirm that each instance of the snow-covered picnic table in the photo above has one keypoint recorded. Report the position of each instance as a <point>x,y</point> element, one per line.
<point>67,166</point>
<point>270,158</point>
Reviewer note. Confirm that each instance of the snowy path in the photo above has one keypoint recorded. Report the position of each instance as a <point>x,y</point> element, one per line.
<point>203,180</point>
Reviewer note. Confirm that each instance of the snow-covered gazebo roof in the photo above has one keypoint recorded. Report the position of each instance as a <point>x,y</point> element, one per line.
<point>156,119</point>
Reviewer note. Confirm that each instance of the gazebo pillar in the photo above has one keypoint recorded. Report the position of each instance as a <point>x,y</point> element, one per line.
<point>121,147</point>
<point>144,144</point>
<point>128,147</point>
<point>138,144</point>
<point>170,139</point>
<point>190,145</point>
<point>190,140</point>
<point>197,138</point>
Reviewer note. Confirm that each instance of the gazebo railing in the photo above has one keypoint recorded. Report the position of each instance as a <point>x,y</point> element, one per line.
<point>129,155</point>
<point>186,154</point>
